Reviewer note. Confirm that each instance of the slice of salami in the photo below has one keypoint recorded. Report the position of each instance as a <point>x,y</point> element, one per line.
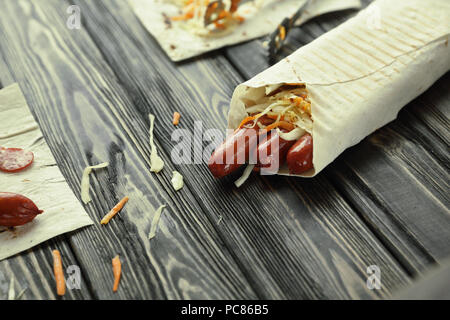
<point>15,159</point>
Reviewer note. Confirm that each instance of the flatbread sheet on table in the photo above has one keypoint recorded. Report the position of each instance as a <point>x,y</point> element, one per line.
<point>360,74</point>
<point>262,18</point>
<point>42,182</point>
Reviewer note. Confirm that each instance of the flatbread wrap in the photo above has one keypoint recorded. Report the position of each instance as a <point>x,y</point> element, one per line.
<point>347,83</point>
<point>178,25</point>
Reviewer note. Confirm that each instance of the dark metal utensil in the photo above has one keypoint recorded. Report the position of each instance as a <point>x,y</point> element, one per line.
<point>276,39</point>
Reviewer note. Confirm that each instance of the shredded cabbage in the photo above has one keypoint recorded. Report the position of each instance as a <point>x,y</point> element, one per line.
<point>21,293</point>
<point>85,181</point>
<point>11,292</point>
<point>156,163</point>
<point>248,170</point>
<point>293,135</point>
<point>155,222</point>
<point>177,181</point>
<point>292,104</point>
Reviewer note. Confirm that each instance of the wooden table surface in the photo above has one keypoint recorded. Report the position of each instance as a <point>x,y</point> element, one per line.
<point>384,202</point>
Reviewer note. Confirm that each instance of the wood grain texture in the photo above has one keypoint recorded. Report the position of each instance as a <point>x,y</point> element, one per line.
<point>292,238</point>
<point>397,178</point>
<point>84,115</point>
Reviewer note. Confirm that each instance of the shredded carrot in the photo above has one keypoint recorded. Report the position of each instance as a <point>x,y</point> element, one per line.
<point>185,16</point>
<point>240,18</point>
<point>117,271</point>
<point>223,14</point>
<point>176,118</point>
<point>298,101</point>
<point>282,124</point>
<point>114,211</point>
<point>274,117</point>
<point>282,32</point>
<point>188,13</point>
<point>247,119</point>
<point>59,274</point>
<point>219,25</point>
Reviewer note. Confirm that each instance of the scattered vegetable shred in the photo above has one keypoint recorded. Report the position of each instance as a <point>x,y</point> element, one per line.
<point>21,293</point>
<point>176,118</point>
<point>85,181</point>
<point>117,271</point>
<point>59,274</point>
<point>177,181</point>
<point>155,222</point>
<point>239,182</point>
<point>11,292</point>
<point>114,210</point>
<point>293,135</point>
<point>156,163</point>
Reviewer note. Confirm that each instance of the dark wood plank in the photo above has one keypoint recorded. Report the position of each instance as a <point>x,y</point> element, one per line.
<point>433,109</point>
<point>397,178</point>
<point>85,116</point>
<point>33,270</point>
<point>293,238</point>
<point>408,183</point>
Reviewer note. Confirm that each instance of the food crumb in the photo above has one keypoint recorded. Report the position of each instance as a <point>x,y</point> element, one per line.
<point>167,21</point>
<point>177,181</point>
<point>155,222</point>
<point>176,118</point>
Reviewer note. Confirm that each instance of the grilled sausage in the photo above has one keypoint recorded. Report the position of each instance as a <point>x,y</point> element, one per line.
<point>233,152</point>
<point>299,156</point>
<point>272,159</point>
<point>16,210</point>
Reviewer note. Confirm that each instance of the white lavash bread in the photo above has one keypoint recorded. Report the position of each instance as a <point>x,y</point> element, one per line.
<point>42,182</point>
<point>360,74</point>
<point>262,18</point>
